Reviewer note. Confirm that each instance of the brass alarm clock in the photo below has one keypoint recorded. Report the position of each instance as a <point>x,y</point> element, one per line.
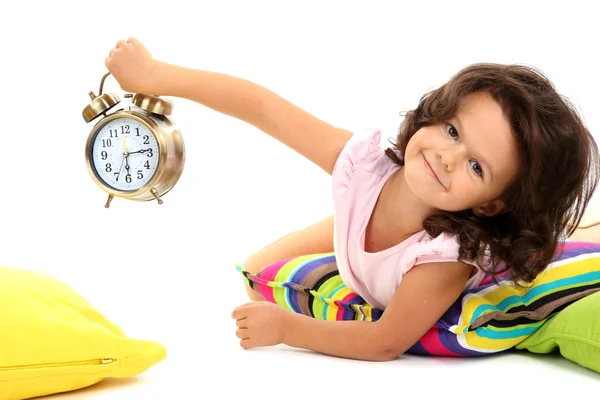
<point>137,152</point>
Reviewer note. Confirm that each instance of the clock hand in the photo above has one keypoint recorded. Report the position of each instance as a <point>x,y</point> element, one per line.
<point>127,165</point>
<point>125,155</point>
<point>121,167</point>
<point>140,151</point>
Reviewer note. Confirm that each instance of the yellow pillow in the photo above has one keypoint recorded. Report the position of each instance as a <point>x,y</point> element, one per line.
<point>52,340</point>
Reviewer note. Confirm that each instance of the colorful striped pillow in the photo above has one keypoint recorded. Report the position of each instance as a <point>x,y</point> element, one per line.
<point>483,320</point>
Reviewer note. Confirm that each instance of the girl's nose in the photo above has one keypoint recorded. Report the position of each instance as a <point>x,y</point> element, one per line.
<point>449,156</point>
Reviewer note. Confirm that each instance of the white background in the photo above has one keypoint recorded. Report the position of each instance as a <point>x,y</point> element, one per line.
<point>353,64</point>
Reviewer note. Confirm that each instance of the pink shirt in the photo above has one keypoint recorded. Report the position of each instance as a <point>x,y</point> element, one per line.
<point>359,175</point>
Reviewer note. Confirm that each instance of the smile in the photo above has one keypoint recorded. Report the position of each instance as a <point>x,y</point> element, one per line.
<point>431,172</point>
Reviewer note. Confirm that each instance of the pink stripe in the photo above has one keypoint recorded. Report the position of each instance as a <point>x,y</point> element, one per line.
<point>431,342</point>
<point>340,312</point>
<point>268,274</point>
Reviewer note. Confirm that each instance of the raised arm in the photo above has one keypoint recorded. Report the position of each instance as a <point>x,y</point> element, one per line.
<point>136,71</point>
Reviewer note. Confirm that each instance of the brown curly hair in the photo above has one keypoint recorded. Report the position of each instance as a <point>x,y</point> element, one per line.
<point>558,160</point>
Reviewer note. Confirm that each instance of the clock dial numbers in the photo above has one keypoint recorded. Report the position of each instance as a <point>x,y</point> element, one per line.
<point>125,154</point>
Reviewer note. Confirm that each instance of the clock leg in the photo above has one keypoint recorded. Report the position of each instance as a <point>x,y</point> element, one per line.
<point>110,197</point>
<point>156,196</point>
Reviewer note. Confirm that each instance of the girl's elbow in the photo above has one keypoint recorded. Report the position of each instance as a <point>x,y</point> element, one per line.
<point>388,349</point>
<point>390,353</point>
<point>381,355</point>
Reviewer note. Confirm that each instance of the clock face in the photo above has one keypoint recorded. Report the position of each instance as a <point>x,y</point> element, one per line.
<point>124,154</point>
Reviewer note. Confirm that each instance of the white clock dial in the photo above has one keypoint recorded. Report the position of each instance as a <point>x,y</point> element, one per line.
<point>124,154</point>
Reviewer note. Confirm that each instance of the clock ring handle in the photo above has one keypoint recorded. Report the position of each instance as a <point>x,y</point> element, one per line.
<point>102,83</point>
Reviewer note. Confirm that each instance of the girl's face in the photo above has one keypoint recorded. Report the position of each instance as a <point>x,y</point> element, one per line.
<point>466,162</point>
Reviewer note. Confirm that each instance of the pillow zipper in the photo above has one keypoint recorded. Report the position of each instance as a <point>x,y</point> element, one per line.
<point>97,361</point>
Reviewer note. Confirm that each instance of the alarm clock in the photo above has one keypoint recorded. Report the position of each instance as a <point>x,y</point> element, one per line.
<point>136,152</point>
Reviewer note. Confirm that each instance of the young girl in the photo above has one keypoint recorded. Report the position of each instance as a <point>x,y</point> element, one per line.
<point>490,172</point>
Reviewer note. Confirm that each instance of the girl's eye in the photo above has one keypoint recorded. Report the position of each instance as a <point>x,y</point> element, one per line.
<point>452,131</point>
<point>476,168</point>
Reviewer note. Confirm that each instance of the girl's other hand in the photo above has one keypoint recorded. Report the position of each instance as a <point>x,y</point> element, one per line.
<point>260,324</point>
<point>133,67</point>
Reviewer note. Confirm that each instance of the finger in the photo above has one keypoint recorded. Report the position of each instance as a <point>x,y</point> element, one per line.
<point>107,59</point>
<point>247,343</point>
<point>238,313</point>
<point>242,333</point>
<point>242,323</point>
<point>132,40</point>
<point>242,311</point>
<point>120,44</point>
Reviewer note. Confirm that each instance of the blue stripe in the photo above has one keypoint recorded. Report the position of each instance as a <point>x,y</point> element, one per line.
<point>490,333</point>
<point>288,292</point>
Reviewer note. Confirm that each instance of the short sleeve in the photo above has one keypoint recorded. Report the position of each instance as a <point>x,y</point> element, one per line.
<point>355,153</point>
<point>443,248</point>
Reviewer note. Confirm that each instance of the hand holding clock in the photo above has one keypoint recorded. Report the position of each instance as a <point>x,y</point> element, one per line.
<point>133,67</point>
